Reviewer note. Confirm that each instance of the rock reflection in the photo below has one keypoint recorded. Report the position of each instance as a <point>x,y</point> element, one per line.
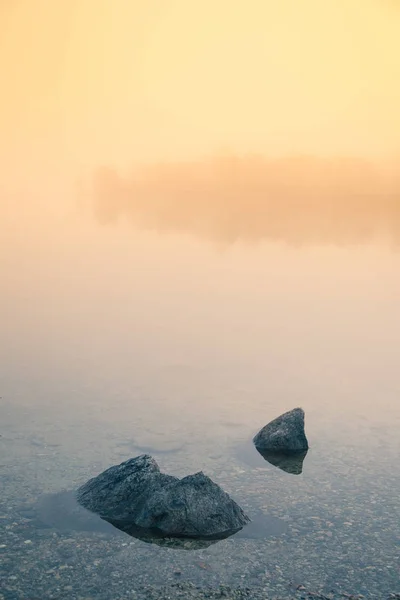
<point>153,537</point>
<point>290,463</point>
<point>298,200</point>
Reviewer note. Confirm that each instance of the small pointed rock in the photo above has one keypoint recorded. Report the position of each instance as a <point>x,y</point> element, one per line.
<point>283,434</point>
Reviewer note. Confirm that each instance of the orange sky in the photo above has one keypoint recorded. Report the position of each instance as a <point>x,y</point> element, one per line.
<point>116,81</point>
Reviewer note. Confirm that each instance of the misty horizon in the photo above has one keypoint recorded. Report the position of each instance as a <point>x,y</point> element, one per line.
<point>295,199</point>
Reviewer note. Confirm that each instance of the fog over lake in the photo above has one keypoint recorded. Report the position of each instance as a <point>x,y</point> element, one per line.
<point>199,231</point>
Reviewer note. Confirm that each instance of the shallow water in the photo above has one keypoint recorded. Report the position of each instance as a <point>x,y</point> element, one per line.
<point>117,341</point>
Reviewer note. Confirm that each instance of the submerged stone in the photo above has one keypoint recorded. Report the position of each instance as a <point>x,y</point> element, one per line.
<point>285,434</point>
<point>135,494</point>
<point>60,511</point>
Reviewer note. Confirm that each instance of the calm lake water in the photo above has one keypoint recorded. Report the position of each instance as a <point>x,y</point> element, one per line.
<point>118,339</point>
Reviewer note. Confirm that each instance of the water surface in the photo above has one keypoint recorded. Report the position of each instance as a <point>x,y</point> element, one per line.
<point>119,339</point>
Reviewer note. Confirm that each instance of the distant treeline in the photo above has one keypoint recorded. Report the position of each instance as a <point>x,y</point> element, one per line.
<point>296,200</point>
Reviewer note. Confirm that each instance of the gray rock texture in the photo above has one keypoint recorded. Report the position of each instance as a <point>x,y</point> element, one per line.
<point>137,493</point>
<point>284,434</point>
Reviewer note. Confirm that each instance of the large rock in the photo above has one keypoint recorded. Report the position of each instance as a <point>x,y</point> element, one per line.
<point>136,493</point>
<point>284,434</point>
